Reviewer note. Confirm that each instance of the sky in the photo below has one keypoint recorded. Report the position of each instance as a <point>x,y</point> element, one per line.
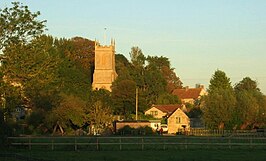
<point>198,36</point>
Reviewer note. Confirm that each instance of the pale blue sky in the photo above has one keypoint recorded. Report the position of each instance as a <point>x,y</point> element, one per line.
<point>198,36</point>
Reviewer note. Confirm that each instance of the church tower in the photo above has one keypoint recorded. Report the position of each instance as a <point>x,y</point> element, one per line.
<point>104,72</point>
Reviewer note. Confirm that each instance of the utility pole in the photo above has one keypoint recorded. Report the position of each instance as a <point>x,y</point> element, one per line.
<point>137,97</point>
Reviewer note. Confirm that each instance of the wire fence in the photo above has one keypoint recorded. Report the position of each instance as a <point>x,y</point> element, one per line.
<point>135,143</point>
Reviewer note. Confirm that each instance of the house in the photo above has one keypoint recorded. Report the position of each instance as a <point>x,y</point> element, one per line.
<point>178,121</point>
<point>190,95</point>
<point>161,111</point>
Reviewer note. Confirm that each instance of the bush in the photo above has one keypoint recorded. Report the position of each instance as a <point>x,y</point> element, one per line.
<point>127,130</point>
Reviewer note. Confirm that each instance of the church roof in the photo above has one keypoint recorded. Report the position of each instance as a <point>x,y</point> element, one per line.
<point>187,93</point>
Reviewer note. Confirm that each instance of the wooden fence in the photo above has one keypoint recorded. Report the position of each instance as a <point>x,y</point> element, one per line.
<point>136,143</point>
<point>226,133</point>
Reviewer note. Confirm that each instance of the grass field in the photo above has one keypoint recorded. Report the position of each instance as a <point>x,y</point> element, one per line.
<point>137,148</point>
<point>169,155</point>
<point>136,143</point>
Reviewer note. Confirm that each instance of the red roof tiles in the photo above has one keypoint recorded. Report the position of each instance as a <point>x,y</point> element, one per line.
<point>167,108</point>
<point>187,93</point>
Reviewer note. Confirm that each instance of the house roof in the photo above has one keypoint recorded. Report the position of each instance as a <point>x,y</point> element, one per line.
<point>187,93</point>
<point>175,111</point>
<point>167,108</point>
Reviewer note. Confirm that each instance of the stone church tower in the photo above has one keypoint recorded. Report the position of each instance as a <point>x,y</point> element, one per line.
<point>104,72</point>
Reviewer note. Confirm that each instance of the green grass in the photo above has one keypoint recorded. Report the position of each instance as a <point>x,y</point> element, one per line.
<point>168,155</point>
<point>136,143</point>
<point>157,149</point>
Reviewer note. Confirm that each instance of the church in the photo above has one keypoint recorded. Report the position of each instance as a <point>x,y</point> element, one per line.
<point>104,71</point>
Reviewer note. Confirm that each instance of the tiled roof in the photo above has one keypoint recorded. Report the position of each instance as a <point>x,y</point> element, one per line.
<point>187,93</point>
<point>167,108</point>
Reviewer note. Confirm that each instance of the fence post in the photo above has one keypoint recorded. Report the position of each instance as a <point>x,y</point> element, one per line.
<point>164,146</point>
<point>120,145</point>
<point>250,143</point>
<point>76,147</point>
<point>142,144</point>
<point>229,143</point>
<point>186,143</point>
<point>29,143</point>
<point>97,143</point>
<point>52,143</point>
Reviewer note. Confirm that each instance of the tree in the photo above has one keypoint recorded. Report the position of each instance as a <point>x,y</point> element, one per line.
<point>138,64</point>
<point>32,67</point>
<point>219,81</point>
<point>166,98</point>
<point>219,104</point>
<point>123,67</point>
<point>19,25</point>
<point>162,64</point>
<point>99,109</point>
<point>137,57</point>
<point>81,52</point>
<point>70,114</point>
<point>250,103</point>
<point>100,115</point>
<point>123,95</point>
<point>155,85</point>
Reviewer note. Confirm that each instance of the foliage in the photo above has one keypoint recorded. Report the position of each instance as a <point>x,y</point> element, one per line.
<point>251,105</point>
<point>123,67</point>
<point>100,115</point>
<point>99,109</point>
<point>219,103</point>
<point>127,130</point>
<point>70,113</point>
<point>153,77</point>
<point>19,25</point>
<point>123,95</point>
<point>219,81</point>
<point>137,57</point>
<point>81,52</point>
<point>166,99</point>
<point>32,68</point>
<point>162,64</point>
<point>73,79</point>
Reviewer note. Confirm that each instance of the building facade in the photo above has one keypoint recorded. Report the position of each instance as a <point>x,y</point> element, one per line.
<point>178,121</point>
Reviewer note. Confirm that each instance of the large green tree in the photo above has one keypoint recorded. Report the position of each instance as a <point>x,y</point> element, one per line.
<point>163,65</point>
<point>123,95</point>
<point>18,28</point>
<point>219,108</point>
<point>19,25</point>
<point>251,105</point>
<point>32,67</point>
<point>70,114</point>
<point>100,110</point>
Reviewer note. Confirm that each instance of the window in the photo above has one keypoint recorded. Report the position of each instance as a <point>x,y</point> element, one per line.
<point>178,120</point>
<point>154,113</point>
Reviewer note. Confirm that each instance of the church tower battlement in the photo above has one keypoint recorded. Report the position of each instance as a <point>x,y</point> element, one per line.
<point>104,72</point>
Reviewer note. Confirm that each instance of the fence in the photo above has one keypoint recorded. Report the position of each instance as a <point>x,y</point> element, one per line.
<point>225,133</point>
<point>136,143</point>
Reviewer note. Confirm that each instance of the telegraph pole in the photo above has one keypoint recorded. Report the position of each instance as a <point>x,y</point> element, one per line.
<point>137,97</point>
